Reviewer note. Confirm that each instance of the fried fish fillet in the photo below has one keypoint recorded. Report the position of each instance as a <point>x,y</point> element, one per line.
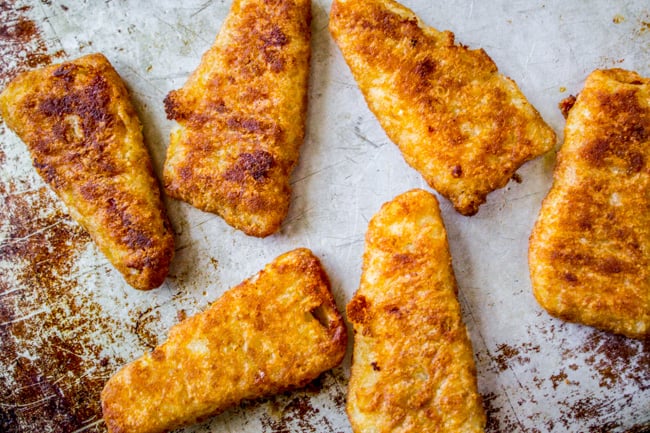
<point>589,252</point>
<point>413,368</point>
<point>242,115</point>
<point>86,142</point>
<point>278,330</point>
<point>462,125</point>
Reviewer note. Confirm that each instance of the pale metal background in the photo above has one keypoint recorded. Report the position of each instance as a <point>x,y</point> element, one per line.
<point>68,321</point>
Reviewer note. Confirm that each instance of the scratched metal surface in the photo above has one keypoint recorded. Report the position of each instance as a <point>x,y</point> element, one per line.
<point>67,319</point>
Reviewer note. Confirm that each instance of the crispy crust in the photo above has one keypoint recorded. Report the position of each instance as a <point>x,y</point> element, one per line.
<point>242,115</point>
<point>278,330</point>
<point>465,127</point>
<point>589,252</point>
<point>85,140</point>
<point>412,369</point>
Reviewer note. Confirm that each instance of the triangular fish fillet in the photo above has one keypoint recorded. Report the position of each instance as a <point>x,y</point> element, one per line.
<point>462,125</point>
<point>242,117</point>
<point>413,368</point>
<point>86,142</point>
<point>275,331</point>
<point>589,252</point>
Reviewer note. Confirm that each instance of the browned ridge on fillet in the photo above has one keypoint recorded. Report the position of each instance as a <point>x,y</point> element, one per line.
<point>86,142</point>
<point>276,331</point>
<point>589,252</point>
<point>242,117</point>
<point>462,125</point>
<point>412,368</point>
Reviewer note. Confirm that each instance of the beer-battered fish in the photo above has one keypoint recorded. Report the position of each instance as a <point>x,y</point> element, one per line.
<point>462,125</point>
<point>412,367</point>
<point>242,115</point>
<point>590,249</point>
<point>86,142</point>
<point>278,330</point>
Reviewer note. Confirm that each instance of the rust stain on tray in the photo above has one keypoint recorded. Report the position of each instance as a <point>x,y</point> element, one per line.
<point>618,365</point>
<point>617,359</point>
<point>508,354</point>
<point>295,411</point>
<point>52,367</point>
<point>496,420</point>
<point>21,44</point>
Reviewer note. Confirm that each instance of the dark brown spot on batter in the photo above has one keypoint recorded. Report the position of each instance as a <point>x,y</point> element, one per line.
<point>172,107</point>
<point>275,38</point>
<point>569,277</point>
<point>275,60</point>
<point>403,259</point>
<point>256,165</point>
<point>636,162</point>
<point>89,103</point>
<point>66,72</point>
<point>425,68</point>
<point>620,145</point>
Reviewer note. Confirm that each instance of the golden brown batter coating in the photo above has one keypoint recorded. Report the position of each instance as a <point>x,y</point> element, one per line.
<point>413,368</point>
<point>590,250</point>
<point>462,125</point>
<point>278,330</point>
<point>242,115</point>
<point>86,142</point>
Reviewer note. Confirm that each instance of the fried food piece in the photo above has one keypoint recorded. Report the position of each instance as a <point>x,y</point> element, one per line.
<point>412,368</point>
<point>462,125</point>
<point>278,330</point>
<point>242,115</point>
<point>589,252</point>
<point>86,142</point>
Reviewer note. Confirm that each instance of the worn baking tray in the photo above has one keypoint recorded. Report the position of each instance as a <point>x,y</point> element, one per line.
<point>68,321</point>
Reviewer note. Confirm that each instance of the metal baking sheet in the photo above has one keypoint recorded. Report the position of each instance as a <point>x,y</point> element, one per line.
<point>68,321</point>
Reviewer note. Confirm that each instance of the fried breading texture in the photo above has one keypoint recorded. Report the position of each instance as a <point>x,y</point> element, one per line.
<point>278,330</point>
<point>242,117</point>
<point>413,368</point>
<point>589,252</point>
<point>86,142</point>
<point>462,125</point>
